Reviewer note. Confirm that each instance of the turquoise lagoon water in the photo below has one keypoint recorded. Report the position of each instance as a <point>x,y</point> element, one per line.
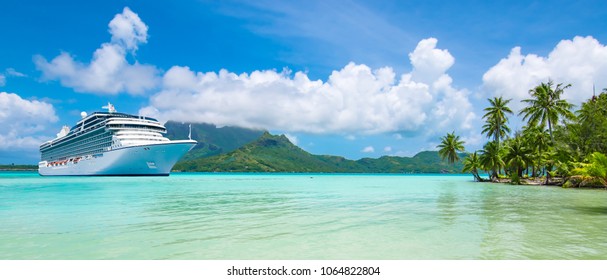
<point>304,216</point>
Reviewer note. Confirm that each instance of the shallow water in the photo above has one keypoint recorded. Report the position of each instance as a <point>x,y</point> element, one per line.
<point>304,216</point>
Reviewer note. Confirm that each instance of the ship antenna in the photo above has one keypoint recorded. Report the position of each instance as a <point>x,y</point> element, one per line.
<point>593,90</point>
<point>593,93</point>
<point>190,134</point>
<point>110,108</point>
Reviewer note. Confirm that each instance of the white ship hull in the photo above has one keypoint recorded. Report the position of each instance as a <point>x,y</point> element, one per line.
<point>142,160</point>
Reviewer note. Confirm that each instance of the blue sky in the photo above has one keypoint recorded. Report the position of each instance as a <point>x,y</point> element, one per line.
<point>350,78</point>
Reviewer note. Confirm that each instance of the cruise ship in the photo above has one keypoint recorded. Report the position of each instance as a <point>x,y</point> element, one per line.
<point>112,144</point>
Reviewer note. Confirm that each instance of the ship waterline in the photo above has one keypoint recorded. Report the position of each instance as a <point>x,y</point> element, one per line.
<point>112,143</point>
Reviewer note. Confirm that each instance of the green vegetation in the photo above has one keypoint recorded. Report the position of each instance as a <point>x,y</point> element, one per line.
<point>472,164</point>
<point>496,119</point>
<point>17,167</point>
<point>272,153</point>
<point>557,146</point>
<point>546,106</point>
<point>211,139</point>
<point>491,159</point>
<point>593,172</point>
<point>449,147</point>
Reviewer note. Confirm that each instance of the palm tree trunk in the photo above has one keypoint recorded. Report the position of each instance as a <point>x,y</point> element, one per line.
<point>550,130</point>
<point>499,130</point>
<point>477,178</point>
<point>540,161</point>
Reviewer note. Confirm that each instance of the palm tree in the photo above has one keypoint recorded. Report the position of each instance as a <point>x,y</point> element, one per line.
<point>491,159</point>
<point>539,139</point>
<point>449,146</point>
<point>546,106</point>
<point>472,164</point>
<point>491,128</point>
<point>496,119</point>
<point>592,121</point>
<point>518,155</point>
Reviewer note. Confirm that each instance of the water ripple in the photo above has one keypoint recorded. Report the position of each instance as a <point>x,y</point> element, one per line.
<point>200,216</point>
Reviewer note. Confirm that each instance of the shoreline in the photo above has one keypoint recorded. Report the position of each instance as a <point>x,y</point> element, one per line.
<point>19,169</point>
<point>565,183</point>
<point>578,182</point>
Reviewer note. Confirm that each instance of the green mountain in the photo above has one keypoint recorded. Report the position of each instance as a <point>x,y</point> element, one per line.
<point>271,153</point>
<point>423,162</point>
<point>212,140</point>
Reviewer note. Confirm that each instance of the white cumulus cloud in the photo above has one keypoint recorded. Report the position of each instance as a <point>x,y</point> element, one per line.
<point>368,149</point>
<point>581,62</point>
<point>430,63</point>
<point>109,71</point>
<point>21,120</point>
<point>128,30</point>
<point>353,100</point>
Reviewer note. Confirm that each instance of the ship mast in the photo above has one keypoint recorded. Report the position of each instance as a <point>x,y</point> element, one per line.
<point>110,108</point>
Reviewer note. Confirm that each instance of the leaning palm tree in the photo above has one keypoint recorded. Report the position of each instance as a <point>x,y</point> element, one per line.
<point>491,159</point>
<point>449,146</point>
<point>546,106</point>
<point>496,119</point>
<point>472,164</point>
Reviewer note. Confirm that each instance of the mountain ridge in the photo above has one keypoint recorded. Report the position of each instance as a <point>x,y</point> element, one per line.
<point>275,153</point>
<point>212,140</point>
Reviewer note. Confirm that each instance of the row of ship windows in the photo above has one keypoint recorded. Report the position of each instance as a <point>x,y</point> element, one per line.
<point>88,129</point>
<point>92,150</point>
<point>93,141</point>
<point>90,123</point>
<point>65,152</point>
<point>132,117</point>
<point>143,127</point>
<point>99,125</point>
<point>122,135</point>
<point>74,151</point>
<point>97,141</point>
<point>77,138</point>
<point>145,139</point>
<point>79,142</point>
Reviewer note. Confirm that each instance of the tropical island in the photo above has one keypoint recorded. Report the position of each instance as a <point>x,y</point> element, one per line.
<point>556,147</point>
<point>234,149</point>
